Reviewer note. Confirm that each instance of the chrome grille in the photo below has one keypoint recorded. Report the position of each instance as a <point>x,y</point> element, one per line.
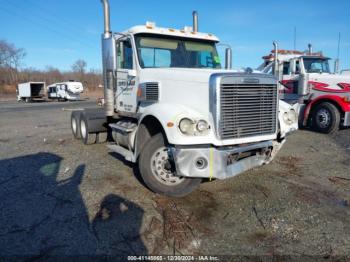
<point>247,110</point>
<point>152,92</point>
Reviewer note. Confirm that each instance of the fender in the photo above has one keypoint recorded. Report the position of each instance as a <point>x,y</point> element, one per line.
<point>170,113</point>
<point>338,100</point>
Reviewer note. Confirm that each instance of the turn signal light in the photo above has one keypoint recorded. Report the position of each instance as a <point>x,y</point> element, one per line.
<point>139,92</point>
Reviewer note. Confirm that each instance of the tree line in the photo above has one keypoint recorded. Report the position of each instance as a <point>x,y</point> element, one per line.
<point>11,72</point>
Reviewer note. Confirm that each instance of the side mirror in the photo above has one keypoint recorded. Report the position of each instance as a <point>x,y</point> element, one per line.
<point>292,66</point>
<point>228,58</point>
<point>303,86</point>
<point>132,73</point>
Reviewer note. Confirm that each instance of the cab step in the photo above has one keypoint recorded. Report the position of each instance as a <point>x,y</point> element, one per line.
<point>124,127</point>
<point>128,155</point>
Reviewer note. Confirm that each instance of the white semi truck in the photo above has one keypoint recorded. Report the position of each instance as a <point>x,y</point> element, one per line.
<point>305,77</point>
<point>30,91</point>
<point>67,91</point>
<point>172,109</point>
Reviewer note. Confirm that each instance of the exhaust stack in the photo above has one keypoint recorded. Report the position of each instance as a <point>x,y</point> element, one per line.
<point>310,49</point>
<point>228,58</point>
<point>107,19</point>
<point>336,66</point>
<point>195,21</point>
<point>276,60</point>
<point>108,76</point>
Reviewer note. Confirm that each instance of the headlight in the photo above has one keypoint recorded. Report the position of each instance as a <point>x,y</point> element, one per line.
<point>202,126</point>
<point>186,126</point>
<point>190,127</point>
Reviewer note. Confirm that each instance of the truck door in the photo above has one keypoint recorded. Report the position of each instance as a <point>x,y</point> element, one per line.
<point>290,80</point>
<point>126,83</point>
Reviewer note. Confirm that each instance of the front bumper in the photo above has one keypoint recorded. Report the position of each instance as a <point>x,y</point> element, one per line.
<point>220,163</point>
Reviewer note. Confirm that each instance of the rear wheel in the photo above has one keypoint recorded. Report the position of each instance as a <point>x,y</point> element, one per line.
<point>158,170</point>
<point>325,118</point>
<point>75,124</point>
<point>87,138</point>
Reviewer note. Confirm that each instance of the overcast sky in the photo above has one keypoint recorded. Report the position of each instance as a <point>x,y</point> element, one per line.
<point>58,32</point>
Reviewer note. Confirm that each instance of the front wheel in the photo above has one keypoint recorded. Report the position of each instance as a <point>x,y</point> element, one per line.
<point>158,170</point>
<point>325,118</point>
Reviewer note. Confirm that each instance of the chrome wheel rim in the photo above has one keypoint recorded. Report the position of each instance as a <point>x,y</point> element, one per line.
<point>74,125</point>
<point>83,129</point>
<point>323,118</point>
<point>162,168</point>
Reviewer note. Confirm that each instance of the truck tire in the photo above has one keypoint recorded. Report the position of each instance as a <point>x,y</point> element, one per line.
<point>75,124</point>
<point>325,118</point>
<point>158,172</point>
<point>87,138</point>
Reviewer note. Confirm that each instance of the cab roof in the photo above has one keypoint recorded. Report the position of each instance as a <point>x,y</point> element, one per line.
<point>285,55</point>
<point>186,32</point>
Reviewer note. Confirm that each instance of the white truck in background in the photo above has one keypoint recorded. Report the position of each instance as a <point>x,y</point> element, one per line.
<point>30,91</point>
<point>172,109</point>
<point>66,91</point>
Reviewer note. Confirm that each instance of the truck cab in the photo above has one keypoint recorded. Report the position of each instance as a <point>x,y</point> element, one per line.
<point>306,78</point>
<point>172,109</point>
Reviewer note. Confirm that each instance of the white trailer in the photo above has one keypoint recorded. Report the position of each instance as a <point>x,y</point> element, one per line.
<point>172,109</point>
<point>67,91</point>
<point>30,91</point>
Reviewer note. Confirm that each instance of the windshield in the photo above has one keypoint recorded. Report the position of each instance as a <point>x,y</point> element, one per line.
<point>316,65</point>
<point>160,52</point>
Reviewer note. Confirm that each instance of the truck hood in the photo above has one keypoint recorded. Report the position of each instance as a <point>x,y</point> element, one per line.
<point>188,87</point>
<point>329,78</point>
<point>185,74</point>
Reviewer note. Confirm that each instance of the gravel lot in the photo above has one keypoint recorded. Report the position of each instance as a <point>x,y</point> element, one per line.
<point>60,197</point>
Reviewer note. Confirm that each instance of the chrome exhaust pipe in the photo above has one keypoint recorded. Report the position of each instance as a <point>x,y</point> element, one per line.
<point>310,48</point>
<point>228,58</point>
<point>195,21</point>
<point>108,77</point>
<point>107,19</point>
<point>336,66</point>
<point>276,60</point>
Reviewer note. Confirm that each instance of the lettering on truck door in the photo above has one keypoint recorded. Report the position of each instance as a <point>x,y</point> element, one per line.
<point>126,79</point>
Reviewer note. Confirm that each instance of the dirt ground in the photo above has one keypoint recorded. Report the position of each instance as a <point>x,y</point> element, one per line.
<point>61,197</point>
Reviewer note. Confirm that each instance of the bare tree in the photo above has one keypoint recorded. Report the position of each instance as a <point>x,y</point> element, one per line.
<point>10,61</point>
<point>10,56</point>
<point>79,66</point>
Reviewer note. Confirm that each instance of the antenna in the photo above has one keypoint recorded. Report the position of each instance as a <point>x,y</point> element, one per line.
<point>295,38</point>
<point>338,52</point>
